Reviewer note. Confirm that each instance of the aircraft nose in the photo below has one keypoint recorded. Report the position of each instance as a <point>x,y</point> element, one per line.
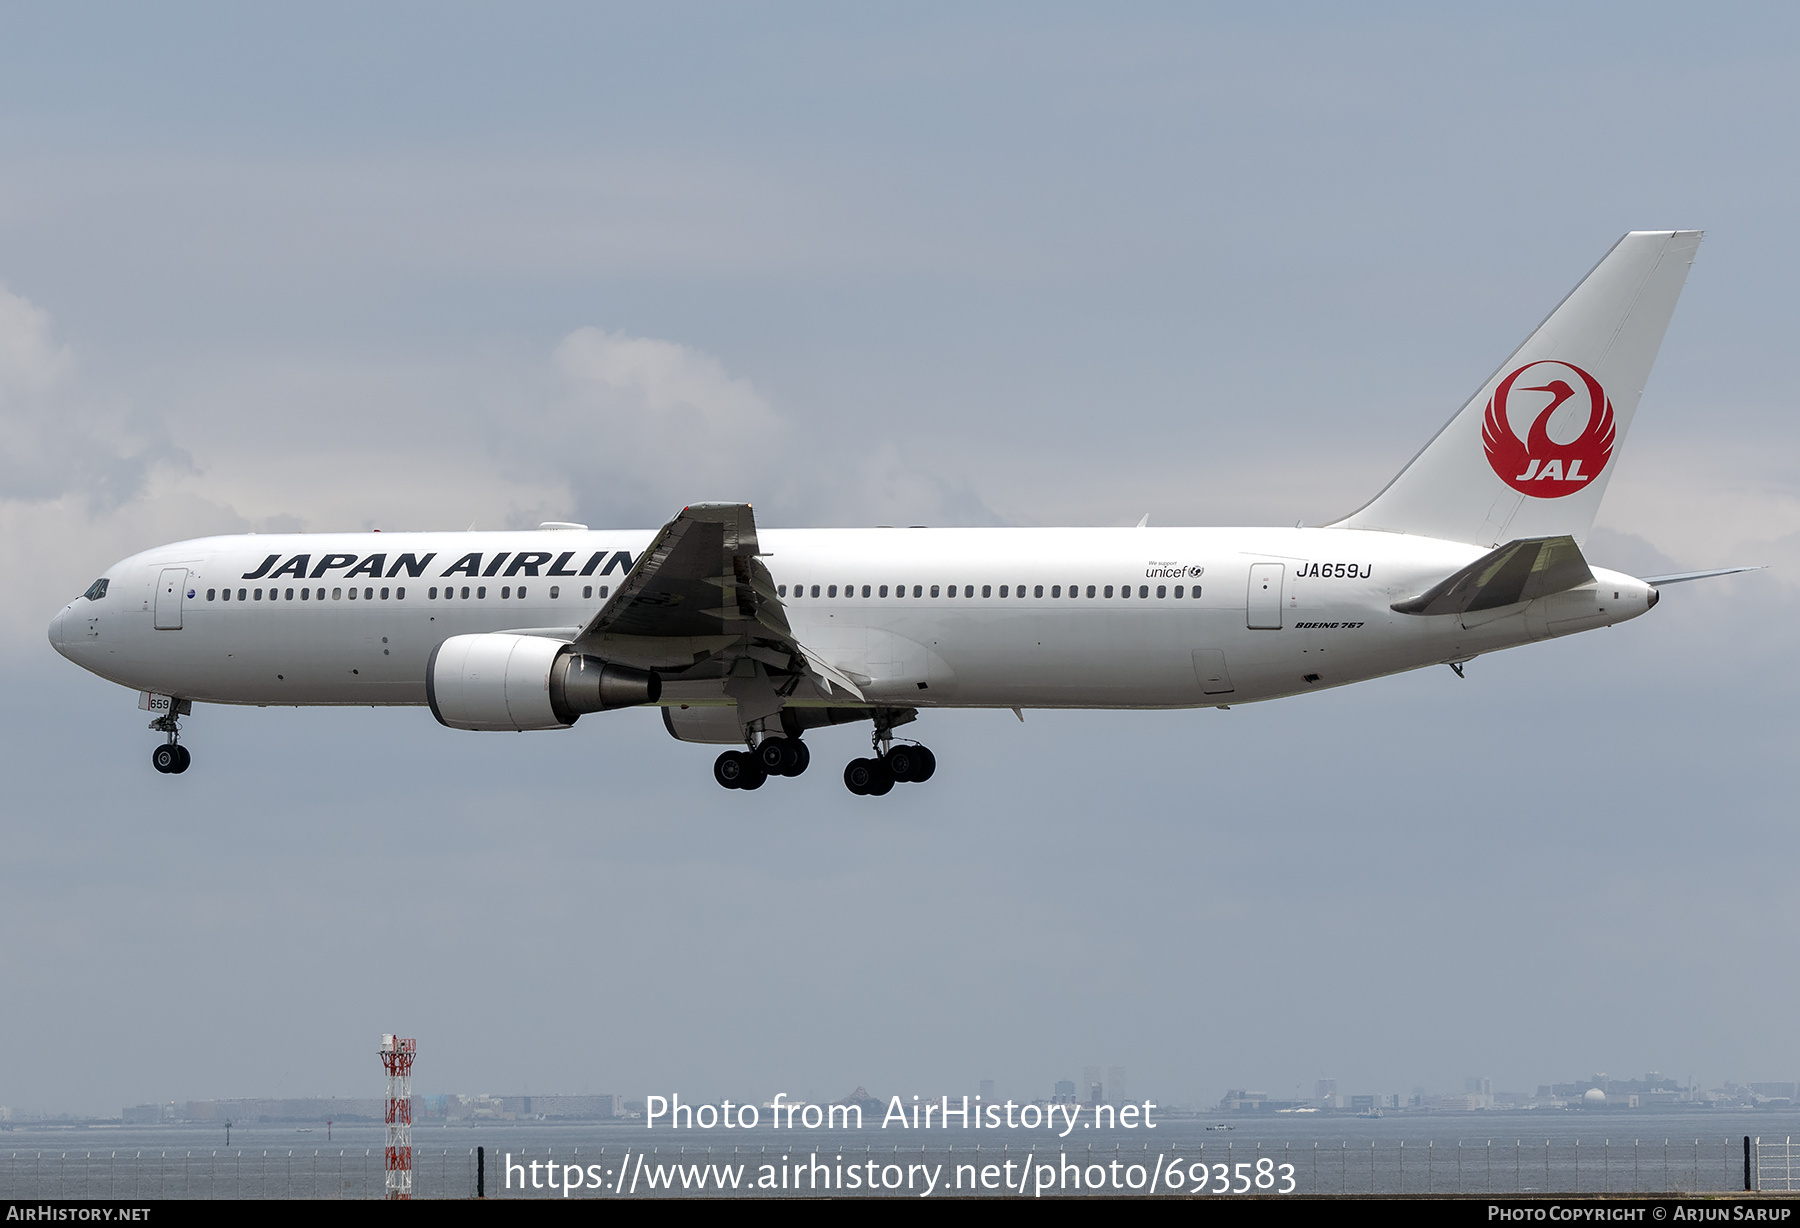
<point>56,629</point>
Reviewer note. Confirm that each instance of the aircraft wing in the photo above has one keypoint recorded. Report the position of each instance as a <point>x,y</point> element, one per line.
<point>703,576</point>
<point>1522,570</point>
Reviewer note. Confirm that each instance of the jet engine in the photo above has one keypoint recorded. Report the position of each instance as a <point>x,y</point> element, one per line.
<point>517,682</point>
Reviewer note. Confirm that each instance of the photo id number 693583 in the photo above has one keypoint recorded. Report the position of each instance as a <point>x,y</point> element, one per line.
<point>1241,1178</point>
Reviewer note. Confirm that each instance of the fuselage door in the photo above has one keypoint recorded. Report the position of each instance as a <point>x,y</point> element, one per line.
<point>1263,607</point>
<point>1209,668</point>
<point>170,589</point>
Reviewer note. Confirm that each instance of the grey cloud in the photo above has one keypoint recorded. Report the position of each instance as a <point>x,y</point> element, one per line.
<point>58,437</point>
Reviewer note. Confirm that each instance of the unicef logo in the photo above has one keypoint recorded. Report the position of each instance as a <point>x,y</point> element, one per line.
<point>1568,429</point>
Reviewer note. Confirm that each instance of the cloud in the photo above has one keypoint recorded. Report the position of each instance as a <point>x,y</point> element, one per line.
<point>57,438</point>
<point>645,426</point>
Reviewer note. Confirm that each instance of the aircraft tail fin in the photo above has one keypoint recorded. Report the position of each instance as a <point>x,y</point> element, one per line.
<point>1531,453</point>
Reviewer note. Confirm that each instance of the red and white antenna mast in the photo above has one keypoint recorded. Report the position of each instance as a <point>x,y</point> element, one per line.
<point>397,1056</point>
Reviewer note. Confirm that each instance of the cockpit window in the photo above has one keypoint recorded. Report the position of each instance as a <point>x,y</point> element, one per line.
<point>96,590</point>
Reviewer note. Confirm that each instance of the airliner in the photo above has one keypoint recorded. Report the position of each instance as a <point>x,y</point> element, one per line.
<point>751,637</point>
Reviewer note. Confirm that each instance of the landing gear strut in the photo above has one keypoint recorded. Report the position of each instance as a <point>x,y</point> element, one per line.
<point>171,758</point>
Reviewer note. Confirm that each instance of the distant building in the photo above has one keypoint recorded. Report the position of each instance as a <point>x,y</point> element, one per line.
<point>1065,1092</point>
<point>575,1108</point>
<point>861,1099</point>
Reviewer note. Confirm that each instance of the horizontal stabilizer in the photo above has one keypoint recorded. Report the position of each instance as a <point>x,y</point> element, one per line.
<point>1519,571</point>
<point>1682,577</point>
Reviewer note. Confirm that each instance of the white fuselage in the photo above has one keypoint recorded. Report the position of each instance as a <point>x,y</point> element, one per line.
<point>1213,616</point>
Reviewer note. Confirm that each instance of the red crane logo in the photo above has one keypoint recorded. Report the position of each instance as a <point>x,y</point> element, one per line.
<point>1541,465</point>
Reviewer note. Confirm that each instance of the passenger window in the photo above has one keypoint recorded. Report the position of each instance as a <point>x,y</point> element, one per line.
<point>832,591</point>
<point>399,594</point>
<point>604,589</point>
<point>968,590</point>
<point>1020,590</point>
<point>506,592</point>
<point>353,594</point>
<point>432,593</point>
<point>1162,591</point>
<point>917,587</point>
<point>306,594</point>
<point>866,591</point>
<point>337,594</point>
<point>384,594</point>
<point>555,591</point>
<point>465,592</point>
<point>240,594</point>
<point>781,590</point>
<point>368,594</point>
<point>1177,591</point>
<point>587,592</point>
<point>987,590</point>
<point>1108,591</point>
<point>1144,590</point>
<point>212,594</point>
<point>290,595</point>
<point>1091,591</point>
<point>815,590</point>
<point>950,590</point>
<point>228,594</point>
<point>934,590</point>
<point>1196,593</point>
<point>1056,591</point>
<point>884,590</point>
<point>1036,592</point>
<point>257,595</point>
<point>521,592</point>
<point>481,593</point>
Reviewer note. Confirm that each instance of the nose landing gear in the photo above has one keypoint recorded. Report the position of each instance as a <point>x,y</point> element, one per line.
<point>171,758</point>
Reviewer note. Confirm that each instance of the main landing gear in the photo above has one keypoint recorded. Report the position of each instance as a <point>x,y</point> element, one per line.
<point>171,758</point>
<point>907,763</point>
<point>773,756</point>
<point>904,764</point>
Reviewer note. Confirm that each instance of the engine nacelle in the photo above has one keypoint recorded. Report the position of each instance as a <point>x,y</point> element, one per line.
<point>499,681</point>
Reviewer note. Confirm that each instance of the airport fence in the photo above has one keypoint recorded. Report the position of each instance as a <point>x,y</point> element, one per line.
<point>1487,1166</point>
<point>1776,1164</point>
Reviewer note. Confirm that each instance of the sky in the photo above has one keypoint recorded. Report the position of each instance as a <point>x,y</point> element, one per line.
<point>340,267</point>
